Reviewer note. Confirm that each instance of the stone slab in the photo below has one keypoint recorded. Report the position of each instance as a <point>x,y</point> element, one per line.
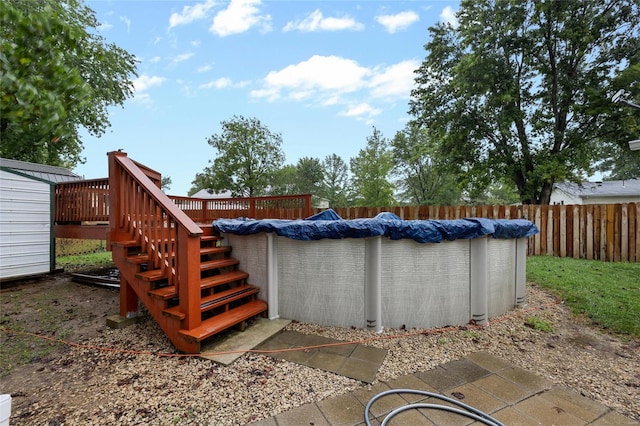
<point>234,344</point>
<point>117,322</point>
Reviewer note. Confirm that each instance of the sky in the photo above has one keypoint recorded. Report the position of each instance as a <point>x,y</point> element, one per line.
<point>322,74</point>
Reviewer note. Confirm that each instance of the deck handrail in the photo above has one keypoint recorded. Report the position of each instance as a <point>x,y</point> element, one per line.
<point>140,211</point>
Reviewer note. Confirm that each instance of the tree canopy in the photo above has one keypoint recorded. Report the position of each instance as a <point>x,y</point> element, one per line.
<point>422,181</point>
<point>248,156</point>
<point>522,90</point>
<point>371,169</point>
<point>335,180</point>
<point>58,75</point>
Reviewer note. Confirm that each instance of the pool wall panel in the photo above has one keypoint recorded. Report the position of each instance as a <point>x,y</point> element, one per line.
<point>425,284</point>
<point>322,281</point>
<point>501,276</point>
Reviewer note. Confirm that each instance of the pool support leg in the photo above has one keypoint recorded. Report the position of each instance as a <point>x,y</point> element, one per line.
<point>272,276</point>
<point>372,284</point>
<point>521,271</point>
<point>478,280</point>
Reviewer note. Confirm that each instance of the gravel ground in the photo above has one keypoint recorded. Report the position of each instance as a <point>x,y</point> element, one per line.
<point>79,385</point>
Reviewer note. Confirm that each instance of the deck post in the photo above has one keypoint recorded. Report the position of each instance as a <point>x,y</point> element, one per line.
<point>189,277</point>
<point>115,233</point>
<point>478,280</point>
<point>128,300</point>
<point>372,283</point>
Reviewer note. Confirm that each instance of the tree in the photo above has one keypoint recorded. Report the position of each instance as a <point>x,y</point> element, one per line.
<point>248,155</point>
<point>335,180</point>
<point>284,181</point>
<point>619,162</point>
<point>371,169</point>
<point>522,90</point>
<point>58,75</point>
<point>422,181</point>
<point>309,173</point>
<point>165,183</point>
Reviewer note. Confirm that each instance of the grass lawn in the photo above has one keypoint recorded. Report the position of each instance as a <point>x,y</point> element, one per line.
<point>85,261</point>
<point>606,292</point>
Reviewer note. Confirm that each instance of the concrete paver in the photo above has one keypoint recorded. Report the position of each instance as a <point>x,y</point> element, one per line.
<point>510,394</point>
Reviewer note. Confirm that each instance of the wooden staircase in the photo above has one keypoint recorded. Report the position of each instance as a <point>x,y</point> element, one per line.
<point>187,280</point>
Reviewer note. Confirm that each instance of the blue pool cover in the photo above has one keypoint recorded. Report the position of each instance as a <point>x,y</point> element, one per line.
<point>328,224</point>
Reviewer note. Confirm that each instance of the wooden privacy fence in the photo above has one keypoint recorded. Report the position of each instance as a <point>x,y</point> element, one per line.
<point>609,232</point>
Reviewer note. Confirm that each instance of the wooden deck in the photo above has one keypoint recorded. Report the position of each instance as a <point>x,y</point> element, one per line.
<point>166,249</point>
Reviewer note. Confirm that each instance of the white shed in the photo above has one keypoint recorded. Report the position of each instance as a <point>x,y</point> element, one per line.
<point>27,242</point>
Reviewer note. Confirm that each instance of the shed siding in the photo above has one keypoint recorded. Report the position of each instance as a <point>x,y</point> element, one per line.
<point>25,226</point>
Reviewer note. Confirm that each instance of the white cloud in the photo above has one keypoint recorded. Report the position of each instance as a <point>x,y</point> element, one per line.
<point>105,26</point>
<point>220,83</point>
<point>204,68</point>
<point>395,81</point>
<point>154,60</point>
<point>449,15</point>
<point>181,58</point>
<point>331,81</point>
<point>317,22</point>
<point>239,17</point>
<point>362,111</point>
<point>397,22</point>
<point>191,13</point>
<point>127,22</point>
<point>317,74</point>
<point>144,82</point>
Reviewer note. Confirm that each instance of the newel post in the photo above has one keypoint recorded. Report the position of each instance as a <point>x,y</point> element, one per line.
<point>189,277</point>
<point>115,199</point>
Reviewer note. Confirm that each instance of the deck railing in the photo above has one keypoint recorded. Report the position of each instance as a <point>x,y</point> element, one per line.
<point>205,210</point>
<point>83,200</point>
<point>141,212</point>
<point>88,201</point>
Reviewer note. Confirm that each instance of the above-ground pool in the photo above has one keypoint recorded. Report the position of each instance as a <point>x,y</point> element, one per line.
<point>383,272</point>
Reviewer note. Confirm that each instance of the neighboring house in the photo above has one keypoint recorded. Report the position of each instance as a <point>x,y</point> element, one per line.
<point>27,241</point>
<point>607,192</point>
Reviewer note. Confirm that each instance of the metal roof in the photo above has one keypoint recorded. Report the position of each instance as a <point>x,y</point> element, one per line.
<point>42,171</point>
<point>608,188</point>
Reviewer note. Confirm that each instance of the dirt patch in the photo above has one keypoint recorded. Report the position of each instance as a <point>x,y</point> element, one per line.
<point>53,306</point>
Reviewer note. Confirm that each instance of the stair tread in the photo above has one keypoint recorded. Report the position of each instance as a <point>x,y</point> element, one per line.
<point>170,291</point>
<point>227,296</point>
<point>153,275</point>
<point>226,278</point>
<point>129,243</point>
<point>223,321</point>
<point>218,263</point>
<point>164,292</point>
<point>138,258</point>
<point>214,250</point>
